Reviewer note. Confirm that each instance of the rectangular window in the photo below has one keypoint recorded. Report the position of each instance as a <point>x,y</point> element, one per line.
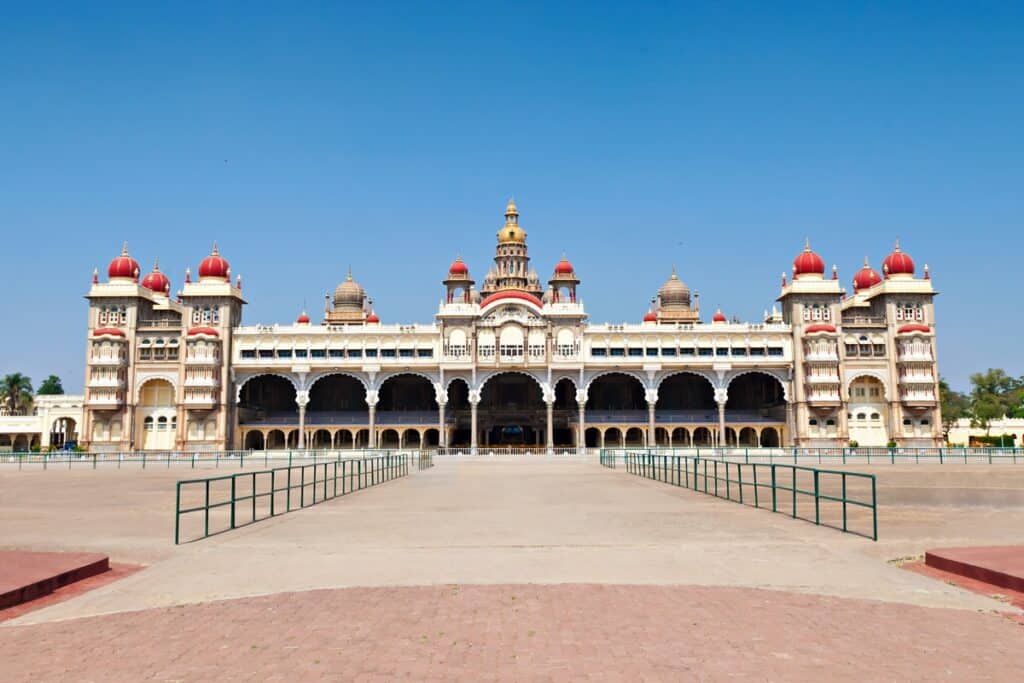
<point>669,352</point>
<point>284,353</point>
<point>425,353</point>
<point>721,352</point>
<point>159,354</point>
<point>739,352</point>
<point>636,352</point>
<point>387,353</point>
<point>358,353</point>
<point>248,353</point>
<point>618,352</point>
<point>652,352</point>
<point>301,353</point>
<point>774,351</point>
<point>336,353</point>
<point>266,353</point>
<point>172,353</point>
<point>599,353</point>
<point>757,351</point>
<point>851,350</point>
<point>705,351</point>
<point>144,354</point>
<point>405,353</point>
<point>687,351</point>
<point>879,349</point>
<point>318,353</point>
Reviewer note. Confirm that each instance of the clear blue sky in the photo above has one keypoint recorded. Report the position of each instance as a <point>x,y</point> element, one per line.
<point>715,136</point>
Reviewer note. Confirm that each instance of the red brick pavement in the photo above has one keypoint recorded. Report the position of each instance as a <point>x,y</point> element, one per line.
<point>522,632</point>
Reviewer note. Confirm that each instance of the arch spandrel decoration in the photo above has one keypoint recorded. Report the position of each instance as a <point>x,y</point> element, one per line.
<point>482,382</point>
<point>432,378</point>
<point>590,379</point>
<point>666,374</point>
<point>780,376</point>
<point>143,379</point>
<point>313,378</point>
<point>879,375</point>
<point>242,379</point>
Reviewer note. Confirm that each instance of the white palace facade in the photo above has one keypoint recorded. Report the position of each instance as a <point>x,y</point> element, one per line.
<point>511,362</point>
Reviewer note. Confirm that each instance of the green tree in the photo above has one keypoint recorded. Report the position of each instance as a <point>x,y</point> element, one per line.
<point>954,405</point>
<point>994,395</point>
<point>50,386</point>
<point>16,392</point>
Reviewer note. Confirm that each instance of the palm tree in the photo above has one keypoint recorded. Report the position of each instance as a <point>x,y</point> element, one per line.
<point>16,392</point>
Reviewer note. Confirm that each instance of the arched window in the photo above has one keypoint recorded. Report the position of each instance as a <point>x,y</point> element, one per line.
<point>161,423</point>
<point>147,424</point>
<point>874,416</point>
<point>830,422</point>
<point>813,422</point>
<point>861,416</point>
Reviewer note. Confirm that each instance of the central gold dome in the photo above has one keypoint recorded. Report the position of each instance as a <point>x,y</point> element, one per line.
<point>511,233</point>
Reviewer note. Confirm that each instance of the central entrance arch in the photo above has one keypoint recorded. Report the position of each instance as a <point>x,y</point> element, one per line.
<point>511,411</point>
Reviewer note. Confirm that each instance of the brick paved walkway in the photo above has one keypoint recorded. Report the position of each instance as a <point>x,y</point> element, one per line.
<point>523,632</point>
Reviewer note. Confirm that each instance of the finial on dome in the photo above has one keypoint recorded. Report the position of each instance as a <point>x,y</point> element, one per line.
<point>215,252</point>
<point>124,248</point>
<point>897,247</point>
<point>238,281</point>
<point>188,275</point>
<point>807,244</point>
<point>348,278</point>
<point>156,264</point>
<point>96,276</point>
<point>927,273</point>
<point>783,278</point>
<point>835,272</point>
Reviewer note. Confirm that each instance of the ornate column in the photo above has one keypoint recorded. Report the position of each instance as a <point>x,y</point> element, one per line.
<point>581,427</point>
<point>442,433</point>
<point>721,396</point>
<point>790,425</point>
<point>652,400</point>
<point>371,403</point>
<point>474,399</point>
<point>302,399</point>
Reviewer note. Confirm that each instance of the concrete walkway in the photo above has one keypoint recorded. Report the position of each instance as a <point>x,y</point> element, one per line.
<point>510,521</point>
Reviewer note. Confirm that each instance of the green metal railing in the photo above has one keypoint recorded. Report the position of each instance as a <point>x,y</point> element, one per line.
<point>425,460</point>
<point>190,459</point>
<point>250,497</point>
<point>783,486</point>
<point>837,455</point>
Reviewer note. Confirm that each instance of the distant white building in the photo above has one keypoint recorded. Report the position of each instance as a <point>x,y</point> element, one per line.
<point>52,421</point>
<point>963,431</point>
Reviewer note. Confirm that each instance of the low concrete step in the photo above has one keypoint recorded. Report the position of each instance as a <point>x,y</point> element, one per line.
<point>1001,566</point>
<point>26,575</point>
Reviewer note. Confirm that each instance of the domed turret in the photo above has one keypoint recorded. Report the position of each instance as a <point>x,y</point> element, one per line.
<point>349,295</point>
<point>719,317</point>
<point>303,318</point>
<point>214,267</point>
<point>458,267</point>
<point>866,277</point>
<point>650,316</point>
<point>511,233</point>
<point>674,292</point>
<point>156,280</point>
<point>808,264</point>
<point>123,268</point>
<point>563,267</point>
<point>898,263</point>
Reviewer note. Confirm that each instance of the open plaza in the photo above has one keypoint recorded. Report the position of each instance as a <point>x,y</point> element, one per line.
<point>511,568</point>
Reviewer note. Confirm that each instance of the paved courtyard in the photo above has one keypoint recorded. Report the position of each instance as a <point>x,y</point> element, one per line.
<point>515,568</point>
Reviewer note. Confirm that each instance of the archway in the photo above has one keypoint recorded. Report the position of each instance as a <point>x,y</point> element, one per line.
<point>63,432</point>
<point>410,438</point>
<point>157,415</point>
<point>430,438</point>
<point>748,437</point>
<point>565,413</point>
<point>457,413</point>
<point>20,443</point>
<point>614,394</point>
<point>868,412</point>
<point>592,437</point>
<point>635,437</point>
<point>321,439</point>
<point>661,436</point>
<point>337,399</point>
<point>267,399</point>
<point>681,438</point>
<point>730,436</point>
<point>701,436</point>
<point>254,440</point>
<point>275,439</point>
<point>389,439</point>
<point>406,399</point>
<point>343,439</point>
<point>685,397</point>
<point>756,395</point>
<point>770,437</point>
<point>511,411</point>
<point>613,438</point>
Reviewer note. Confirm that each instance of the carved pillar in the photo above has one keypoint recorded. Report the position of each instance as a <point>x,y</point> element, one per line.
<point>302,399</point>
<point>442,432</point>
<point>790,425</point>
<point>371,403</point>
<point>721,397</point>
<point>581,427</point>
<point>652,400</point>
<point>474,399</point>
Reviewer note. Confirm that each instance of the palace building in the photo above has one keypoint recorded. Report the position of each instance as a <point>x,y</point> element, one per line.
<point>513,361</point>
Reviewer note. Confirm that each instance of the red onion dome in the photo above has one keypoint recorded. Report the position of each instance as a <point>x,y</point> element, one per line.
<point>913,327</point>
<point>156,280</point>
<point>808,263</point>
<point>372,319</point>
<point>650,316</point>
<point>214,266</point>
<point>303,318</point>
<point>898,263</point>
<point>563,267</point>
<point>108,332</point>
<point>866,277</point>
<point>123,267</point>
<point>207,331</point>
<point>820,328</point>
<point>718,317</point>
<point>458,267</point>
